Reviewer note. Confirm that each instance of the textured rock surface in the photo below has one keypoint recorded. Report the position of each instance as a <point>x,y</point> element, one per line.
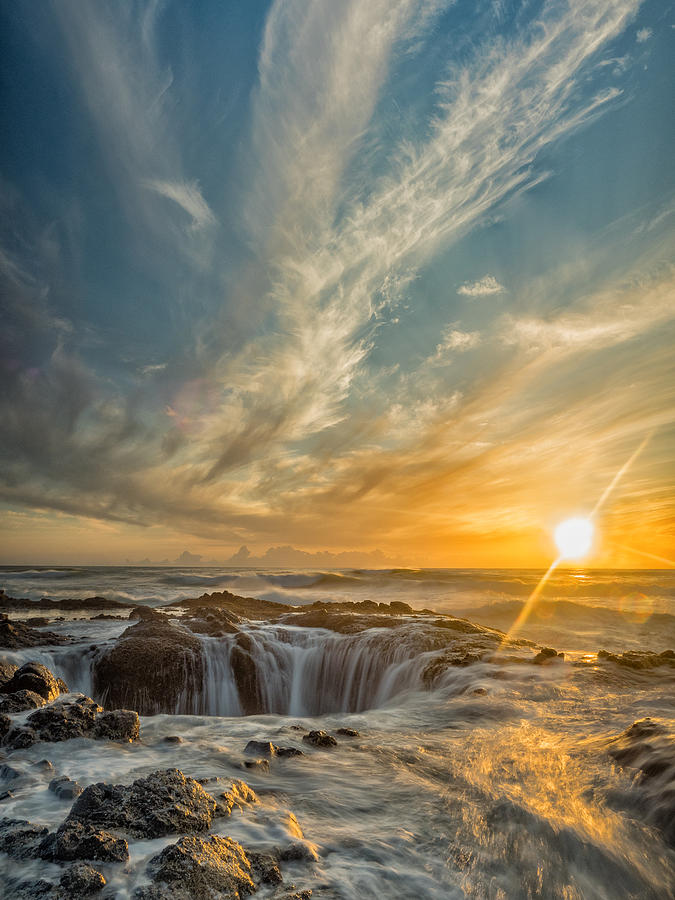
<point>212,621</point>
<point>203,869</point>
<point>37,678</point>
<point>150,667</point>
<point>20,839</point>
<point>15,635</point>
<point>77,840</point>
<point>320,739</point>
<point>72,717</point>
<point>82,880</point>
<point>64,788</point>
<point>165,802</point>
<point>20,701</point>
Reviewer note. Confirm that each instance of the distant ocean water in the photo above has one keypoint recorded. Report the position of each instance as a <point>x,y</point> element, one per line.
<point>494,782</point>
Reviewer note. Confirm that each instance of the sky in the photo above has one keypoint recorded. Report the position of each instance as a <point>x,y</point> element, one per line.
<point>393,277</point>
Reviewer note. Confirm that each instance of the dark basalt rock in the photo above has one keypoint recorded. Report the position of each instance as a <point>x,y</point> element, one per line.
<point>77,840</point>
<point>245,674</point>
<point>201,870</point>
<point>37,678</point>
<point>146,614</point>
<point>5,726</point>
<point>320,739</point>
<point>7,669</point>
<point>82,880</point>
<point>64,788</point>
<point>265,867</point>
<point>152,665</point>
<point>648,748</point>
<point>73,717</point>
<point>546,656</point>
<point>347,732</point>
<point>212,621</point>
<point>639,659</point>
<point>261,748</point>
<point>248,607</point>
<point>69,603</point>
<point>15,635</point>
<point>166,802</point>
<point>20,839</point>
<point>21,701</point>
<point>260,765</point>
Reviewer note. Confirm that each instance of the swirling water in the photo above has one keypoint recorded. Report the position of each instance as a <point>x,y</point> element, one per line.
<point>493,782</point>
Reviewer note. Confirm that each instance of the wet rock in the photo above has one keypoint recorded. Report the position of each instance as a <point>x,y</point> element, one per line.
<point>239,795</point>
<point>212,621</point>
<point>264,867</point>
<point>72,717</point>
<point>261,748</point>
<point>166,802</point>
<point>648,748</point>
<point>15,635</point>
<point>546,656</point>
<point>82,880</point>
<point>202,869</point>
<point>64,788</point>
<point>19,839</point>
<point>347,732</point>
<point>76,840</point>
<point>298,851</point>
<point>20,701</point>
<point>9,773</point>
<point>639,659</point>
<point>173,739</point>
<point>245,674</point>
<point>70,603</point>
<point>5,726</point>
<point>151,667</point>
<point>34,677</point>
<point>249,607</point>
<point>260,765</point>
<point>320,739</point>
<point>147,614</point>
<point>44,765</point>
<point>7,669</point>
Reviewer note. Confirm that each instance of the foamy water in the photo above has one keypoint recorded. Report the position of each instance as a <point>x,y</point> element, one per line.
<point>495,782</point>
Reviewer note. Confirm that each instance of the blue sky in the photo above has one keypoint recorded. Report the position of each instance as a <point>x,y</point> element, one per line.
<point>394,275</point>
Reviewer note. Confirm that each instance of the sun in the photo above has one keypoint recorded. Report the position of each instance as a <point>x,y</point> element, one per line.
<point>574,537</point>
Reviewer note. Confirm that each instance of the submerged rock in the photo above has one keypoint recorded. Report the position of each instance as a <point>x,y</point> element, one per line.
<point>166,802</point>
<point>64,788</point>
<point>320,739</point>
<point>35,677</point>
<point>201,869</point>
<point>151,667</point>
<point>348,732</point>
<point>268,749</point>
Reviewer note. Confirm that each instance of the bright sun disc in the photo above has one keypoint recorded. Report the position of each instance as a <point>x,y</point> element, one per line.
<point>574,537</point>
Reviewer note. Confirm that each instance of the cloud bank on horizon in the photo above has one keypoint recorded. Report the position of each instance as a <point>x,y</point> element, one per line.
<point>347,275</point>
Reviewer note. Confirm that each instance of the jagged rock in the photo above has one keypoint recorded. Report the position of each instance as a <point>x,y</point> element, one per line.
<point>5,726</point>
<point>249,607</point>
<point>268,749</point>
<point>35,677</point>
<point>69,603</point>
<point>64,788</point>
<point>320,739</point>
<point>77,840</point>
<point>202,869</point>
<point>639,659</point>
<point>7,669</point>
<point>299,851</point>
<point>166,802</point>
<point>237,797</point>
<point>347,732</point>
<point>212,621</point>
<point>546,656</point>
<point>72,717</point>
<point>265,867</point>
<point>21,701</point>
<point>19,838</point>
<point>15,635</point>
<point>151,666</point>
<point>82,880</point>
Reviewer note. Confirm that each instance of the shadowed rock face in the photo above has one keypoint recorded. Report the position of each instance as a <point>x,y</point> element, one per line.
<point>15,635</point>
<point>649,748</point>
<point>163,803</point>
<point>72,717</point>
<point>201,869</point>
<point>212,621</point>
<point>7,602</point>
<point>639,659</point>
<point>151,667</point>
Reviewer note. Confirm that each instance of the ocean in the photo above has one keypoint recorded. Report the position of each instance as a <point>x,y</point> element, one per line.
<point>494,778</point>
